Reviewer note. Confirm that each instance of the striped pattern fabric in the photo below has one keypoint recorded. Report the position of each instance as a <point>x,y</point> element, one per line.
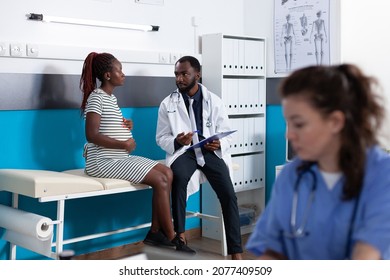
<point>112,163</point>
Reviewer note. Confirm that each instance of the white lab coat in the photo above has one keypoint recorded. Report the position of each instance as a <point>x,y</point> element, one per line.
<point>173,119</point>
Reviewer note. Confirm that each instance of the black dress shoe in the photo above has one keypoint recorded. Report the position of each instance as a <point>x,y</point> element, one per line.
<point>181,245</point>
<point>158,239</point>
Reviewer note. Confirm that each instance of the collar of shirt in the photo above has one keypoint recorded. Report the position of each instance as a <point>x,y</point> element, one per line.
<point>197,97</point>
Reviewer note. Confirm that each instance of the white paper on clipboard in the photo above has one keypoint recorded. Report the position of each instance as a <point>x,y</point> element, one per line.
<point>211,138</point>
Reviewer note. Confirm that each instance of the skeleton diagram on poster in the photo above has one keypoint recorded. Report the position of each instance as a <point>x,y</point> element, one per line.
<point>301,34</point>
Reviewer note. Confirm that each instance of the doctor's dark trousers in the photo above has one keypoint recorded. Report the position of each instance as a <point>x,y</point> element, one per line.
<point>217,174</point>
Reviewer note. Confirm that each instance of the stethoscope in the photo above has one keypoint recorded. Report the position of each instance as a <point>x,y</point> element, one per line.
<point>299,231</point>
<point>175,100</point>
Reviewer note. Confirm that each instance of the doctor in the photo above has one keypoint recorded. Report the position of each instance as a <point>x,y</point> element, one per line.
<point>177,128</point>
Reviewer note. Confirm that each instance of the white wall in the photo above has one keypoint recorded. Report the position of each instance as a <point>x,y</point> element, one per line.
<point>258,17</point>
<point>362,28</point>
<point>364,33</point>
<point>177,33</point>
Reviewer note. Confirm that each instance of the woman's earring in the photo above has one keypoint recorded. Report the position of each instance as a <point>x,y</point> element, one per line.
<point>108,78</point>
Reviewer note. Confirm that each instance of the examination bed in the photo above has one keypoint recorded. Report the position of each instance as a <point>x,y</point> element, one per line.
<point>59,187</point>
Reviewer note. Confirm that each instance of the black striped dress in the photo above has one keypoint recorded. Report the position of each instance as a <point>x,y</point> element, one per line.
<point>112,163</point>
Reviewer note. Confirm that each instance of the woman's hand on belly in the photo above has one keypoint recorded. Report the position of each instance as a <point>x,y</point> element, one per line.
<point>128,124</point>
<point>130,145</point>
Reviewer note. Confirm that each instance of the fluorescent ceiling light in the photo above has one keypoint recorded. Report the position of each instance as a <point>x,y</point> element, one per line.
<point>77,21</point>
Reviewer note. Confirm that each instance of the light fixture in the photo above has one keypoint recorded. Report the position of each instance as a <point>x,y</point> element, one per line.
<point>40,17</point>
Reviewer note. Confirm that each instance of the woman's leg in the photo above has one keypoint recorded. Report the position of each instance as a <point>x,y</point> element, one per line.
<point>160,179</point>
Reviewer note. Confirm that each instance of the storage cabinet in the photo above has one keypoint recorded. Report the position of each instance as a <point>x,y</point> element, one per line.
<point>233,67</point>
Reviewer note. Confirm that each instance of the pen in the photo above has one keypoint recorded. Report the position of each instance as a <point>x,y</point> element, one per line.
<point>196,131</point>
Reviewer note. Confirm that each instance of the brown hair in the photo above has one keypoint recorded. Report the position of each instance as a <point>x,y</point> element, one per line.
<point>344,88</point>
<point>94,67</point>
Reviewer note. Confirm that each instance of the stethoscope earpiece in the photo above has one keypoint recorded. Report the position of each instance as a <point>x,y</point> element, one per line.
<point>171,106</point>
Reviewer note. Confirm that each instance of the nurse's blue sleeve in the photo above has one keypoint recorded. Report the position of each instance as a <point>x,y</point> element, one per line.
<point>257,241</point>
<point>373,220</point>
<point>268,229</point>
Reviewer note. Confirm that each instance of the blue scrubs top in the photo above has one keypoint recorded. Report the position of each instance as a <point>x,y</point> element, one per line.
<point>329,218</point>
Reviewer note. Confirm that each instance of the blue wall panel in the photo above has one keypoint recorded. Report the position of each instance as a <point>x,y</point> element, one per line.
<point>53,140</point>
<point>276,144</point>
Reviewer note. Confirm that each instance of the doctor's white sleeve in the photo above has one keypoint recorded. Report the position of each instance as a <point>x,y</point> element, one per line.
<point>164,136</point>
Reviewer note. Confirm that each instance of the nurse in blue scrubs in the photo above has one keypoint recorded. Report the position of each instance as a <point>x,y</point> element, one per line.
<point>333,200</point>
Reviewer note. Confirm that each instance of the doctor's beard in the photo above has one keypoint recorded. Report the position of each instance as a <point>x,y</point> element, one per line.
<point>186,89</point>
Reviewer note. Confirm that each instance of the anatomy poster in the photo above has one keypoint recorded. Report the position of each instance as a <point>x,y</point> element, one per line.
<point>301,34</point>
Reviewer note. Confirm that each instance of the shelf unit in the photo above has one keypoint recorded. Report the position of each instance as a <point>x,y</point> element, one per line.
<point>233,67</point>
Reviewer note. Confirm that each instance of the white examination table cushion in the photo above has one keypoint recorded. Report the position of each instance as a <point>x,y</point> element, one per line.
<point>42,183</point>
<point>107,183</point>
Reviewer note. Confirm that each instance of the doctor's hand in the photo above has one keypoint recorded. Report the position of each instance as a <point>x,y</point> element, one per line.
<point>213,146</point>
<point>184,138</point>
<point>130,145</point>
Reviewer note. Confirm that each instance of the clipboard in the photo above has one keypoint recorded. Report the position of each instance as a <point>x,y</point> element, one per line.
<point>211,138</point>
